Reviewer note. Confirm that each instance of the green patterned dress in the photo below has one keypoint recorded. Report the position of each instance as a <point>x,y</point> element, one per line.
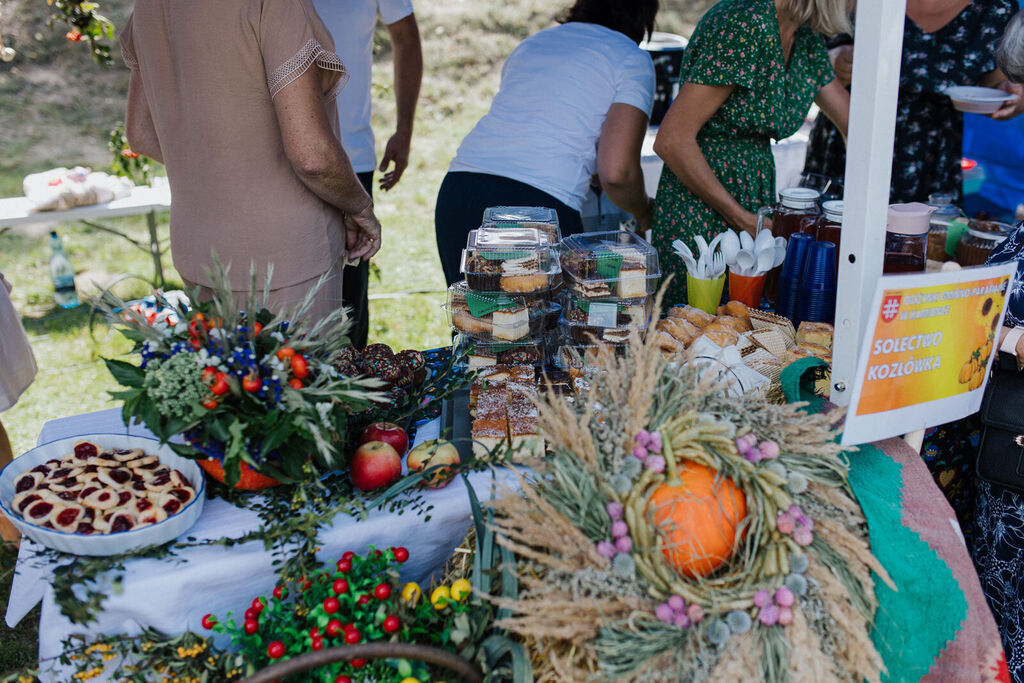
<point>738,43</point>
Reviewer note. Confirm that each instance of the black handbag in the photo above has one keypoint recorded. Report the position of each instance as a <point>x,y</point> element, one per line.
<point>1001,452</point>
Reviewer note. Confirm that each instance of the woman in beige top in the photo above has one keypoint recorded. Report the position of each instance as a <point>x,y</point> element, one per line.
<point>237,100</point>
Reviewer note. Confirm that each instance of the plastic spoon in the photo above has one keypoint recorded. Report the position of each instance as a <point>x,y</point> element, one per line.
<point>764,240</point>
<point>765,259</point>
<point>730,246</point>
<point>744,261</point>
<point>746,241</point>
<point>780,256</point>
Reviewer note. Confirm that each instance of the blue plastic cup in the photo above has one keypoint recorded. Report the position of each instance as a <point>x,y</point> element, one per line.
<point>819,272</point>
<point>786,302</point>
<point>816,306</point>
<point>796,254</point>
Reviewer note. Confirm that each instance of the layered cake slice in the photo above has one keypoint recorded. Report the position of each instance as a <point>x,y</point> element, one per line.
<point>488,434</point>
<point>523,275</point>
<point>511,323</point>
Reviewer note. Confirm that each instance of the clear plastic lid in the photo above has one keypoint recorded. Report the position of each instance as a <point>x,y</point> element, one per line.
<point>479,354</point>
<point>514,260</point>
<point>606,313</point>
<point>577,354</point>
<point>495,317</point>
<point>511,217</point>
<point>602,265</point>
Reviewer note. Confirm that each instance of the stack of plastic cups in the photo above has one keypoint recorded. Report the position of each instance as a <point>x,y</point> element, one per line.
<point>817,300</point>
<point>791,273</point>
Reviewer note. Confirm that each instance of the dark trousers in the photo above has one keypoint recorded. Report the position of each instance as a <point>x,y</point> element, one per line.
<point>355,283</point>
<point>460,208</point>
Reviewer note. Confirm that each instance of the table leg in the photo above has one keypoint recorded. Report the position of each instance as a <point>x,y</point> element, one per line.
<point>154,248</point>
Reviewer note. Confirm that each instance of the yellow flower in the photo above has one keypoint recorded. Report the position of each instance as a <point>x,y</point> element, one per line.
<point>411,593</point>
<point>461,589</point>
<point>410,679</point>
<point>440,598</point>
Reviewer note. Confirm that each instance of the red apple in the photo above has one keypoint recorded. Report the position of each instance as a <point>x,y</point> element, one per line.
<point>388,433</point>
<point>430,453</point>
<point>375,464</point>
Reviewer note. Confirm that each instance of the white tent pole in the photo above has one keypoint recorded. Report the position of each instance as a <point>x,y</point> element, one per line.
<point>876,73</point>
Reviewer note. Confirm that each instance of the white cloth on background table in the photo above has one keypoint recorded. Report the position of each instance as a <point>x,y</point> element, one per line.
<point>17,364</point>
<point>172,597</point>
<point>60,189</point>
<point>556,89</point>
<point>352,24</point>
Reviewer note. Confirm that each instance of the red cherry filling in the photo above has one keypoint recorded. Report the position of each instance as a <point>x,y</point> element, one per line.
<point>123,497</point>
<point>150,466</point>
<point>38,510</point>
<point>25,503</point>
<point>42,469</point>
<point>91,468</point>
<point>85,528</point>
<point>184,495</point>
<point>24,483</point>
<point>87,491</point>
<point>142,505</point>
<point>139,485</point>
<point>172,506</point>
<point>120,475</point>
<point>68,495</point>
<point>85,450</point>
<point>121,523</point>
<point>68,516</point>
<point>62,473</point>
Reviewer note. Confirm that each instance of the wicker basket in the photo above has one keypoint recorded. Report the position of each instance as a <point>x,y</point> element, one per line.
<point>465,670</point>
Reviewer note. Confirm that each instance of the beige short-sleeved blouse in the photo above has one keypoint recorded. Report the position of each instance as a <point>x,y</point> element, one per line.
<point>209,70</point>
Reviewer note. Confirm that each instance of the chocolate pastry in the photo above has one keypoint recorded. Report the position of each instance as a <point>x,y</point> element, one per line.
<point>396,397</point>
<point>347,369</point>
<point>377,351</point>
<point>385,368</point>
<point>483,274</point>
<point>349,354</point>
<point>416,365</point>
<point>526,355</point>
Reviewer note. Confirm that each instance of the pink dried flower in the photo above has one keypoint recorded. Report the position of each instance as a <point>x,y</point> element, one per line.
<point>623,544</point>
<point>664,613</point>
<point>803,536</point>
<point>742,446</point>
<point>769,449</point>
<point>785,616</point>
<point>656,463</point>
<point>614,510</point>
<point>784,597</point>
<point>681,620</point>
<point>695,613</point>
<point>769,615</point>
<point>784,523</point>
<point>619,528</point>
<point>640,453</point>
<point>605,549</point>
<point>655,443</point>
<point>762,598</point>
<point>677,603</point>
<point>751,439</point>
<point>643,437</point>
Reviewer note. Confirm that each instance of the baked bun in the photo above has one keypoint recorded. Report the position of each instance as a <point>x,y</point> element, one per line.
<point>669,344</point>
<point>738,325</point>
<point>721,337</point>
<point>464,320</point>
<point>683,330</point>
<point>692,315</point>
<point>736,309</point>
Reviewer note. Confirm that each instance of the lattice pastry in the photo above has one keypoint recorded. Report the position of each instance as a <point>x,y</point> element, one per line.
<point>95,490</point>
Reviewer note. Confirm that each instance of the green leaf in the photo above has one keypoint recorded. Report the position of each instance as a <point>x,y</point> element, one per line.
<point>496,648</point>
<point>125,373</point>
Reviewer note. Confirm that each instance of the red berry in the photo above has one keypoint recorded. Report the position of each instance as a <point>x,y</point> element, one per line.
<point>306,584</point>
<point>334,628</point>
<point>314,632</point>
<point>331,605</point>
<point>349,626</point>
<point>344,565</point>
<point>342,678</point>
<point>376,553</point>
<point>382,591</point>
<point>209,621</point>
<point>257,604</point>
<point>295,384</point>
<point>252,614</point>
<point>363,599</point>
<point>348,555</point>
<point>280,592</point>
<point>251,627</point>
<point>317,644</point>
<point>391,624</point>
<point>353,636</point>
<point>340,586</point>
<point>401,554</point>
<point>358,663</point>
<point>275,650</point>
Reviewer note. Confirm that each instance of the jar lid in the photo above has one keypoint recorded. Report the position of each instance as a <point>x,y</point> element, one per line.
<point>799,197</point>
<point>833,210</point>
<point>909,219</point>
<point>993,237</point>
<point>940,199</point>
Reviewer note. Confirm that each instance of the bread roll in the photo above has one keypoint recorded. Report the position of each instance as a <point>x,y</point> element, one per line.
<point>737,324</point>
<point>722,337</point>
<point>666,342</point>
<point>736,309</point>
<point>694,316</point>
<point>683,330</point>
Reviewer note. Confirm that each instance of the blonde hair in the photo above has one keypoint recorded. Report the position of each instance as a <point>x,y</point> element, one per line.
<point>827,17</point>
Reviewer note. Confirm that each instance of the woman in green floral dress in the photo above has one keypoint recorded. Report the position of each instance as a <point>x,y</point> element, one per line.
<point>750,73</point>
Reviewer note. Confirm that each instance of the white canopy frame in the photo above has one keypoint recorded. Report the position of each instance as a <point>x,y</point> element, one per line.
<point>875,85</point>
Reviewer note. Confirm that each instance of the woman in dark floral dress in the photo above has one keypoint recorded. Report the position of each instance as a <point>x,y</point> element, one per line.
<point>929,131</point>
<point>750,73</point>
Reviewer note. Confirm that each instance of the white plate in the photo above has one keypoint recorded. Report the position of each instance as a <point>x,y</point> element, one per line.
<point>977,100</point>
<point>104,544</point>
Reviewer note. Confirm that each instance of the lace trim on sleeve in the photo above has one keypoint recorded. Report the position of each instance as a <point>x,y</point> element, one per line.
<point>311,53</point>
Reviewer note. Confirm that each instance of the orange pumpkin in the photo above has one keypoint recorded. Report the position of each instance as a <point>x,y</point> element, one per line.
<point>696,519</point>
<point>249,479</point>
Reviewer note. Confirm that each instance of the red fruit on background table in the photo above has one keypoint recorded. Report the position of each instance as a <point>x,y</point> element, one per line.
<point>375,464</point>
<point>317,644</point>
<point>331,605</point>
<point>430,453</point>
<point>314,632</point>
<point>344,565</point>
<point>353,636</point>
<point>275,650</point>
<point>334,628</point>
<point>382,591</point>
<point>363,599</point>
<point>342,678</point>
<point>391,624</point>
<point>209,621</point>
<point>257,604</point>
<point>252,615</point>
<point>348,555</point>
<point>251,627</point>
<point>279,592</point>
<point>401,554</point>
<point>358,663</point>
<point>340,586</point>
<point>387,432</point>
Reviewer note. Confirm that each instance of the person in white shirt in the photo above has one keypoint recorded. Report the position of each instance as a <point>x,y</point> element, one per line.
<point>352,24</point>
<point>574,100</point>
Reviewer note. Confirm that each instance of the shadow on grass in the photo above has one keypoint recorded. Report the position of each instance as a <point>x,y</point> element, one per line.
<point>58,320</point>
<point>18,645</point>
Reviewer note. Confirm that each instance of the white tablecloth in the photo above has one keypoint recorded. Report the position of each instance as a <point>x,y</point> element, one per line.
<point>172,597</point>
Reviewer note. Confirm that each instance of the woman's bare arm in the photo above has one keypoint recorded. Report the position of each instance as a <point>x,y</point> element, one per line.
<point>618,162</point>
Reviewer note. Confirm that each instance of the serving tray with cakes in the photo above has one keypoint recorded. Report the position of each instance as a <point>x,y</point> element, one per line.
<point>102,494</point>
<point>510,260</point>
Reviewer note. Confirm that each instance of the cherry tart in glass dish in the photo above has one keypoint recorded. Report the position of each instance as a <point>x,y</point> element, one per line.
<point>101,494</point>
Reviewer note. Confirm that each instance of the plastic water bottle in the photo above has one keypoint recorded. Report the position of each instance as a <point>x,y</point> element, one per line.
<point>63,274</point>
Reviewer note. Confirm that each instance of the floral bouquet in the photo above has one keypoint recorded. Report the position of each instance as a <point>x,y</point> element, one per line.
<point>255,395</point>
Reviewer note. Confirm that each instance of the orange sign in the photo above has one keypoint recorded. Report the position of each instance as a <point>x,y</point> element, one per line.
<point>927,353</point>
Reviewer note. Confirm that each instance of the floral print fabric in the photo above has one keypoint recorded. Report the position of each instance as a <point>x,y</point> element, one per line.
<point>929,131</point>
<point>737,42</point>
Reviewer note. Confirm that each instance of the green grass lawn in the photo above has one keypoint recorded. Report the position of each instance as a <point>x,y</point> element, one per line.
<point>63,107</point>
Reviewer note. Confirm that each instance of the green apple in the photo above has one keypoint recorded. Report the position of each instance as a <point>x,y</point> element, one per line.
<point>431,453</point>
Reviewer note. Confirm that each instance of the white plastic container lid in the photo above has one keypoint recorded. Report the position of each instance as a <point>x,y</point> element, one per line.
<point>799,197</point>
<point>833,210</point>
<point>909,219</point>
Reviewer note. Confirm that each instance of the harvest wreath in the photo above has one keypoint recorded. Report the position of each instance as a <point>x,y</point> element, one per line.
<point>678,533</point>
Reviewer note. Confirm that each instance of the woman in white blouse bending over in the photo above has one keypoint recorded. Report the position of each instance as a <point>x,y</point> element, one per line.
<point>574,100</point>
